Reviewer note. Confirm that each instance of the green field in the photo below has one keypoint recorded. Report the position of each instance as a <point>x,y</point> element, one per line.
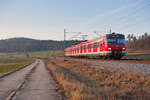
<point>46,53</point>
<point>8,65</point>
<point>35,54</point>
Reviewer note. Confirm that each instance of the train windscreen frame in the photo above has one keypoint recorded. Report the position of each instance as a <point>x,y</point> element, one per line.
<point>115,39</point>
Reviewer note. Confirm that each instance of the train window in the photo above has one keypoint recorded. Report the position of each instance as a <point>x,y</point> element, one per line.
<point>88,46</point>
<point>92,45</point>
<point>103,43</point>
<point>84,47</point>
<point>120,41</point>
<point>100,43</point>
<point>95,45</point>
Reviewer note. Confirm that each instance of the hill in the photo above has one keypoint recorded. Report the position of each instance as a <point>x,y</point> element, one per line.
<point>31,45</point>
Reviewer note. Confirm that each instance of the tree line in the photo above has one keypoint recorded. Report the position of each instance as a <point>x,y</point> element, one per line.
<point>141,42</point>
<point>31,45</point>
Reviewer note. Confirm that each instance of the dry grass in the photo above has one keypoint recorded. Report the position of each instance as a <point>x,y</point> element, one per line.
<point>81,82</point>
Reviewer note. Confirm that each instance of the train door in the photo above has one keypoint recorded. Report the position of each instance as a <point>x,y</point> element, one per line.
<point>98,46</point>
<point>95,47</point>
<point>77,50</point>
<point>81,49</point>
<point>101,50</point>
<point>89,48</point>
<point>103,46</point>
<point>85,48</point>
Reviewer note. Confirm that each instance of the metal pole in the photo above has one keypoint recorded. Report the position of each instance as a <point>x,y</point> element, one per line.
<point>110,31</point>
<point>64,37</point>
<point>64,43</point>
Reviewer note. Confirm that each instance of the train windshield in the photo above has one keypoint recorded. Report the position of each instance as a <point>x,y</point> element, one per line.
<point>116,41</point>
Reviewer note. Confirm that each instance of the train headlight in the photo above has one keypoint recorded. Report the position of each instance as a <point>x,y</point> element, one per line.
<point>123,48</point>
<point>109,48</point>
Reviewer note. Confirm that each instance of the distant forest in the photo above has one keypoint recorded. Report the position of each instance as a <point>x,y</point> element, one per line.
<point>31,45</point>
<point>141,43</point>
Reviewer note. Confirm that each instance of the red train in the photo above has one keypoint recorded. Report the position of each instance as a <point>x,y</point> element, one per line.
<point>108,46</point>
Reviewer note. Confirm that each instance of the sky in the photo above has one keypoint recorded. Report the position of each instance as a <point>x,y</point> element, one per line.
<point>46,19</point>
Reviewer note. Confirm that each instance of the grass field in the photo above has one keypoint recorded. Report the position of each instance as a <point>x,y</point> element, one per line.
<point>36,54</point>
<point>46,53</point>
<point>8,65</point>
<point>81,82</point>
<point>133,52</point>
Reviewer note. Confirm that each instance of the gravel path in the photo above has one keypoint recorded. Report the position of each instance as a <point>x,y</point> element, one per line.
<point>9,83</point>
<point>38,86</point>
<point>130,67</point>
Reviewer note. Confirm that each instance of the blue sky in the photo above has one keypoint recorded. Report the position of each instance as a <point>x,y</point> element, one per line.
<point>46,19</point>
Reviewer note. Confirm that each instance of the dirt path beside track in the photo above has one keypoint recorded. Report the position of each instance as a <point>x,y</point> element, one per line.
<point>34,82</point>
<point>9,83</point>
<point>39,86</point>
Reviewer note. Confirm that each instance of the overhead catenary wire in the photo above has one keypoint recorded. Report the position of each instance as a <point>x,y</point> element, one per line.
<point>125,19</point>
<point>136,18</point>
<point>136,9</point>
<point>121,20</point>
<point>114,12</point>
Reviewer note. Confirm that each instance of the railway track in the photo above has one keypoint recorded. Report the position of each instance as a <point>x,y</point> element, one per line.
<point>139,59</point>
<point>142,67</point>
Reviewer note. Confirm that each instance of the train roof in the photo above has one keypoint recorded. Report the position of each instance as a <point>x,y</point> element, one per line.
<point>115,35</point>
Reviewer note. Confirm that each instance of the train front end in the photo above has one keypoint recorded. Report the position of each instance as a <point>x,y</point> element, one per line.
<point>115,45</point>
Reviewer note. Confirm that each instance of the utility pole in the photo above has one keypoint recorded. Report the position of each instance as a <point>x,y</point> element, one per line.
<point>64,44</point>
<point>65,32</point>
<point>110,31</point>
<point>54,50</point>
<point>64,38</point>
<point>84,37</point>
